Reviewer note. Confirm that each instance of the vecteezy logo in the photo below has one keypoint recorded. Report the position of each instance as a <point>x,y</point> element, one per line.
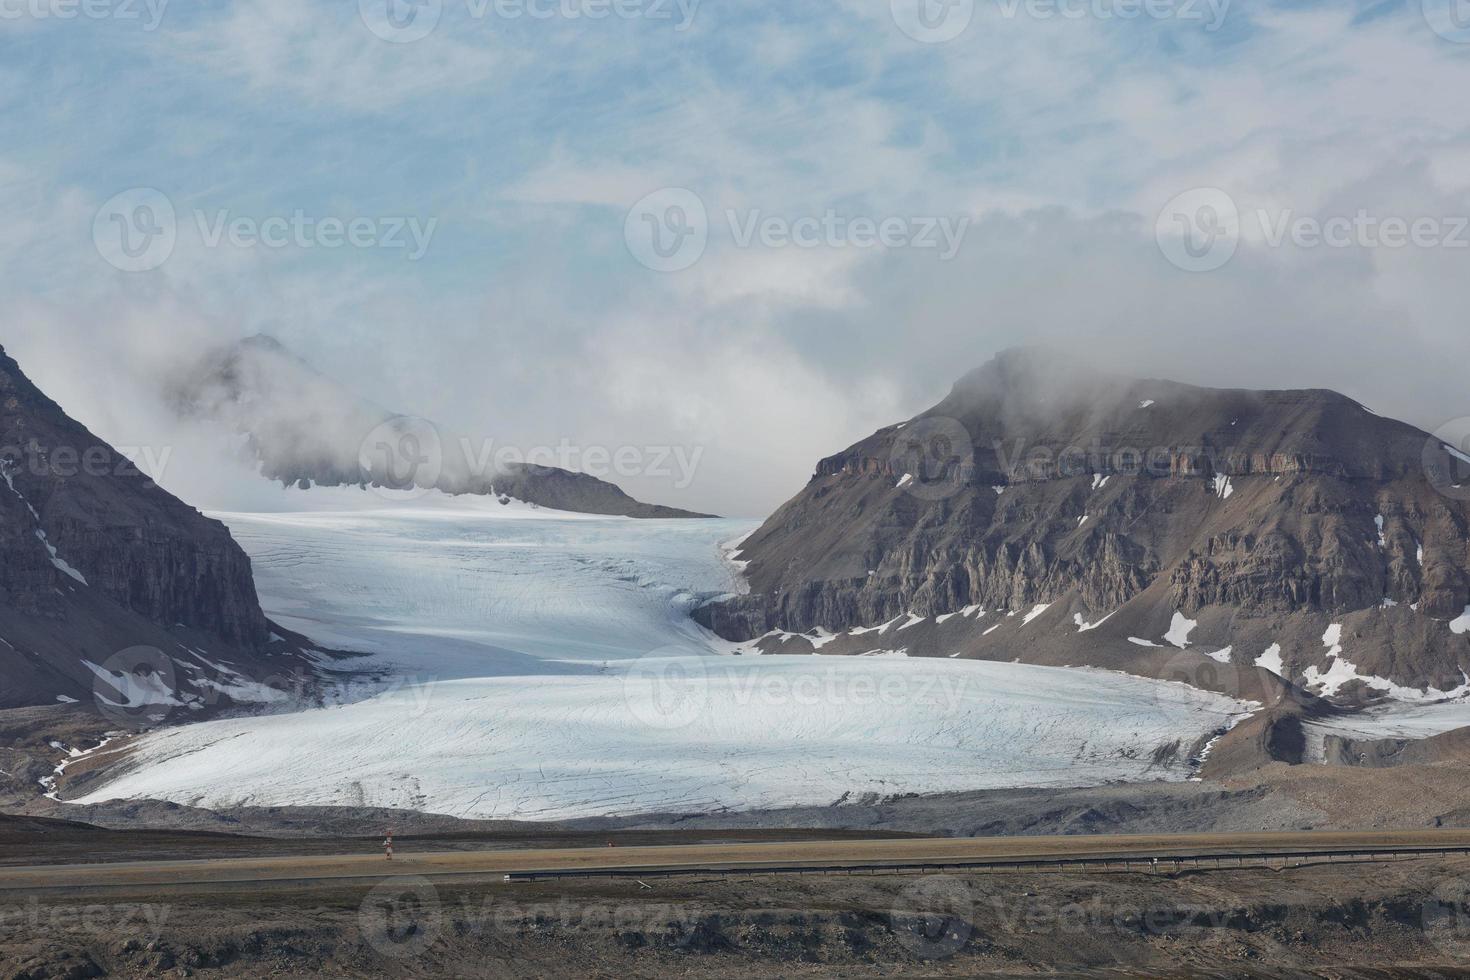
<point>1447,459</point>
<point>136,687</point>
<point>1187,676</point>
<point>1199,230</point>
<point>668,688</point>
<point>136,231</point>
<point>667,231</point>
<point>404,455</point>
<point>401,21</point>
<point>933,21</point>
<point>932,917</point>
<point>402,917</point>
<point>933,458</point>
<point>1450,19</point>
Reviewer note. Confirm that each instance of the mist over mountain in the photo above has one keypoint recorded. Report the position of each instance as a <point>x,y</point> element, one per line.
<point>115,592</point>
<point>307,429</point>
<point>1294,530</point>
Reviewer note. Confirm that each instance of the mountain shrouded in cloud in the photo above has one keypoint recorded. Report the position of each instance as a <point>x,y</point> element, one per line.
<point>115,592</point>
<point>306,429</point>
<point>1047,511</point>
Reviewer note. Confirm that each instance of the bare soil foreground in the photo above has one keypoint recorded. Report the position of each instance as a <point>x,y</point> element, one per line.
<point>447,912</point>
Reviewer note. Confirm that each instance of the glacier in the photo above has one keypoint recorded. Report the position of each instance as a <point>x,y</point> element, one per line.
<point>546,668</point>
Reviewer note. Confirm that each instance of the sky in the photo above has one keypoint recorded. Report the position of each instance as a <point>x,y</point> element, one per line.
<point>754,231</point>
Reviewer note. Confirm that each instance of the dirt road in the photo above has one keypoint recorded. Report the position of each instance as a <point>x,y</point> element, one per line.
<point>264,871</point>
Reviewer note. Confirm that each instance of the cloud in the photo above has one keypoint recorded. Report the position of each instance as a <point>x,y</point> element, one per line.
<point>325,55</point>
<point>1060,139</point>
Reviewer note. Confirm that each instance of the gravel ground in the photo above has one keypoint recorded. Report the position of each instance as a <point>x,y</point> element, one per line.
<point>1400,919</point>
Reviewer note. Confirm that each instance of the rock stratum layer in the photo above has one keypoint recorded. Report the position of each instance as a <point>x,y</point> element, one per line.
<point>99,559</point>
<point>1052,514</point>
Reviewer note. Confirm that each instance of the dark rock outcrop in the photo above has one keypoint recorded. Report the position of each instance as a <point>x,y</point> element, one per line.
<point>1263,516</point>
<point>99,558</point>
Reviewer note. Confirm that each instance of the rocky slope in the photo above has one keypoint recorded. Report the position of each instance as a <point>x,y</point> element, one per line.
<point>1043,511</point>
<point>306,429</point>
<point>99,560</point>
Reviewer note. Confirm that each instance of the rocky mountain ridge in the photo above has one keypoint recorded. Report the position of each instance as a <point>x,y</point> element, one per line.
<point>100,562</point>
<point>1051,513</point>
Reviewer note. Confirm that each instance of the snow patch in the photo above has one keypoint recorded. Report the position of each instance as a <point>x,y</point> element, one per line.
<point>1461,625</point>
<point>1271,660</point>
<point>1341,672</point>
<point>56,560</point>
<point>1179,630</point>
<point>136,690</point>
<point>1084,627</point>
<point>1037,611</point>
<point>819,638</point>
<point>235,685</point>
<point>976,610</point>
<point>1223,487</point>
<point>883,628</point>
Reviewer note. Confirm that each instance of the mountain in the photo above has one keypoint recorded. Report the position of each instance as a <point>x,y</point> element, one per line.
<point>100,561</point>
<point>308,429</point>
<point>1052,513</point>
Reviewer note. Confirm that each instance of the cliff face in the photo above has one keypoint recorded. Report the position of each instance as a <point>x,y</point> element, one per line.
<point>98,559</point>
<point>1262,517</point>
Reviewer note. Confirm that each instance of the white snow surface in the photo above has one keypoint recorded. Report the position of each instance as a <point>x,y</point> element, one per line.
<point>546,668</point>
<point>1085,627</point>
<point>1342,671</point>
<point>1461,625</point>
<point>684,734</point>
<point>1179,629</point>
<point>1271,660</point>
<point>1398,721</point>
<point>57,562</point>
<point>451,588</point>
<point>1390,720</point>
